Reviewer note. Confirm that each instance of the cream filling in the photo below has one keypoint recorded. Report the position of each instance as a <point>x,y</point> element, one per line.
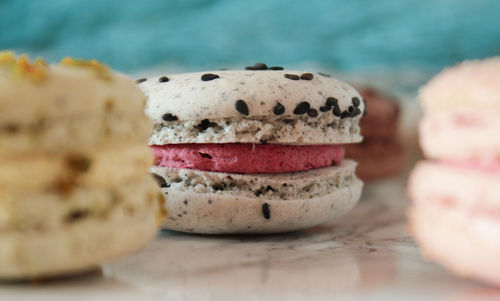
<point>284,186</point>
<point>302,129</point>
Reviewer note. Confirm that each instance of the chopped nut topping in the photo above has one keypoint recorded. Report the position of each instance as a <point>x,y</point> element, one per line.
<point>22,67</point>
<point>102,71</point>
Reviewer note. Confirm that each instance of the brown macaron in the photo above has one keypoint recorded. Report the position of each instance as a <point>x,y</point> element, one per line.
<point>381,153</point>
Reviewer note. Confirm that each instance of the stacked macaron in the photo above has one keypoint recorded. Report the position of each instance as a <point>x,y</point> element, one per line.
<point>455,215</point>
<point>381,153</point>
<point>74,183</point>
<point>253,151</point>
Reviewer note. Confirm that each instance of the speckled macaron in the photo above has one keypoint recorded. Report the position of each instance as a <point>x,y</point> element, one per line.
<point>74,184</point>
<point>265,114</point>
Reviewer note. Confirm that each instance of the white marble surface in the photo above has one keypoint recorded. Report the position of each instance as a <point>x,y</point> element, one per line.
<point>367,255</point>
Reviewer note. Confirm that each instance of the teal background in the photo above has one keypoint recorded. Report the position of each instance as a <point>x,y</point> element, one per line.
<point>348,36</point>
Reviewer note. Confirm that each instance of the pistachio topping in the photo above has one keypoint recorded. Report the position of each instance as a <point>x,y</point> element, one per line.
<point>21,67</point>
<point>102,71</point>
<point>7,58</point>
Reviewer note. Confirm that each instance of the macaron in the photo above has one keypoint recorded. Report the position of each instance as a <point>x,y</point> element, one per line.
<point>381,153</point>
<point>461,107</point>
<point>253,151</point>
<point>455,211</point>
<point>74,184</point>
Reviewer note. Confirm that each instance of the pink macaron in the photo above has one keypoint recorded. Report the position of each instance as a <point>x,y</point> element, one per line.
<point>455,211</point>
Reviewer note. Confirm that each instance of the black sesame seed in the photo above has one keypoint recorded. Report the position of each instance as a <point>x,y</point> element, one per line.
<point>257,66</point>
<point>169,117</point>
<point>163,79</point>
<point>356,112</point>
<point>208,76</point>
<point>301,108</point>
<point>269,188</point>
<point>140,80</point>
<point>336,111</point>
<point>161,181</point>
<point>292,76</point>
<point>205,155</point>
<point>260,66</point>
<point>350,109</point>
<point>259,191</point>
<point>324,74</point>
<point>307,76</point>
<point>276,68</point>
<point>355,102</point>
<point>345,114</point>
<point>325,108</point>
<point>219,186</point>
<point>312,113</point>
<point>332,101</point>
<point>205,124</point>
<point>241,107</point>
<point>278,109</point>
<point>364,103</point>
<point>266,211</point>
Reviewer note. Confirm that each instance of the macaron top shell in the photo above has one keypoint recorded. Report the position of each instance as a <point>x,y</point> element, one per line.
<point>247,94</point>
<point>469,85</point>
<point>70,106</point>
<point>36,91</point>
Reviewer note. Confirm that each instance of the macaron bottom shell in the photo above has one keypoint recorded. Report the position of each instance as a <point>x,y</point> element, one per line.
<point>56,244</point>
<point>457,241</point>
<point>208,202</point>
<point>455,218</point>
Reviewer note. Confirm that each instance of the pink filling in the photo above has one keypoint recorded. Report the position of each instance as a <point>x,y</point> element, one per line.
<point>480,209</point>
<point>465,120</point>
<point>488,167</point>
<point>247,158</point>
<point>476,165</point>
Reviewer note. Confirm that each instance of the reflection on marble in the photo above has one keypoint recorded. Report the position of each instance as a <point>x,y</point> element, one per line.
<point>367,255</point>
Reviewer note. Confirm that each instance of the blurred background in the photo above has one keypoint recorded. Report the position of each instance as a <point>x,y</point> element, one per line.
<point>401,41</point>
